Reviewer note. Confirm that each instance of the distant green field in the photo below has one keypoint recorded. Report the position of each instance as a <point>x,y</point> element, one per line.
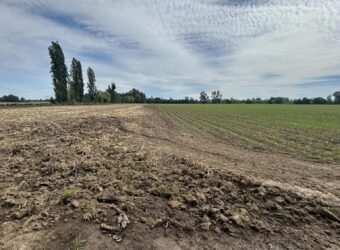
<point>306,131</point>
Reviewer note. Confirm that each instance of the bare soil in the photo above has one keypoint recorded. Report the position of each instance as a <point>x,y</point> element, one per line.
<point>66,170</point>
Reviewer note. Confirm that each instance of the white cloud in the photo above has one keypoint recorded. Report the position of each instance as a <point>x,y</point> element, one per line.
<point>258,48</point>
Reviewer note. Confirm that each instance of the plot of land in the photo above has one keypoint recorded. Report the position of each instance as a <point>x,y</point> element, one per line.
<point>303,131</point>
<point>185,176</point>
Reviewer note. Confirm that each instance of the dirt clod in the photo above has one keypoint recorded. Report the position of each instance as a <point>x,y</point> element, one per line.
<point>241,218</point>
<point>175,204</point>
<point>75,204</point>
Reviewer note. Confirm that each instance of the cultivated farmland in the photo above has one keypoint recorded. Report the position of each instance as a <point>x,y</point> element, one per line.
<point>180,176</point>
<point>305,131</point>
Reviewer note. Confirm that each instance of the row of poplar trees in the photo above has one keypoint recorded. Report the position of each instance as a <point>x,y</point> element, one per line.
<point>69,87</point>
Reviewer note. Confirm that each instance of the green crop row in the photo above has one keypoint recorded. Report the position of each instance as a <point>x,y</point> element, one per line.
<point>305,131</point>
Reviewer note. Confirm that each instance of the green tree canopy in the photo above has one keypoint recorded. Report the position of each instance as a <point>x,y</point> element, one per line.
<point>204,98</point>
<point>91,85</point>
<point>76,81</point>
<point>58,71</point>
<point>216,96</point>
<point>10,98</point>
<point>337,97</point>
<point>103,96</point>
<point>112,92</point>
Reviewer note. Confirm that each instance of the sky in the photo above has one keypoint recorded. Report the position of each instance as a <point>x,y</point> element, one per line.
<point>176,48</point>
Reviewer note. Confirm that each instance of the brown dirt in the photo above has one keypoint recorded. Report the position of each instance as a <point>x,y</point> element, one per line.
<point>62,169</point>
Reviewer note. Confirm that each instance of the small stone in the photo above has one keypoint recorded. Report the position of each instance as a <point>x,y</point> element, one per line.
<point>201,197</point>
<point>219,202</point>
<point>228,186</point>
<point>100,189</point>
<point>143,220</point>
<point>140,156</point>
<point>217,230</point>
<point>175,204</point>
<point>270,205</point>
<point>19,176</point>
<point>125,149</point>
<point>205,218</point>
<point>222,218</point>
<point>259,226</point>
<point>279,199</point>
<point>241,218</point>
<point>18,215</point>
<point>75,203</point>
<point>233,234</point>
<point>191,200</point>
<point>254,207</point>
<point>278,207</point>
<point>79,185</point>
<point>205,226</point>
<point>261,191</point>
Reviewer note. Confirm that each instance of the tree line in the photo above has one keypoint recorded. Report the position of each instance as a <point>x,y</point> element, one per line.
<point>11,98</point>
<point>136,96</point>
<point>216,97</point>
<point>69,87</point>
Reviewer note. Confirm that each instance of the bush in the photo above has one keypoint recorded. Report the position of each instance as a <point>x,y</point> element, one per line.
<point>9,98</point>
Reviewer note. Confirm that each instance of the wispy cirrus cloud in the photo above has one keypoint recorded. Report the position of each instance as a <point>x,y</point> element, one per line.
<point>245,48</point>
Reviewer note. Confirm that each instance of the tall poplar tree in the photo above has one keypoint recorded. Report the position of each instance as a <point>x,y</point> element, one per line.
<point>91,85</point>
<point>81,82</point>
<point>76,81</point>
<point>58,71</point>
<point>73,81</point>
<point>112,92</point>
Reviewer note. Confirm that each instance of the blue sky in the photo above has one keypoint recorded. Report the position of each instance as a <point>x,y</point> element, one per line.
<point>176,48</point>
